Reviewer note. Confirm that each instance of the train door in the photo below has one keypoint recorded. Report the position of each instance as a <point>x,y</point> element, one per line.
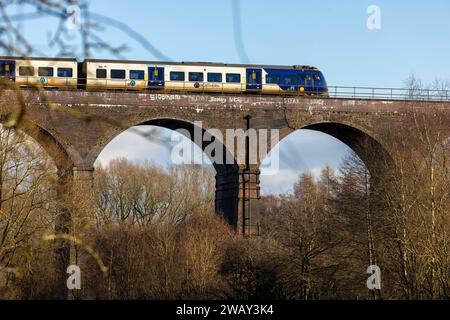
<point>8,69</point>
<point>155,77</point>
<point>254,79</point>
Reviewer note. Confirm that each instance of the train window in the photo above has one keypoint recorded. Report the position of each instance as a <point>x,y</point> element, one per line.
<point>233,78</point>
<point>45,72</point>
<point>317,77</point>
<point>271,79</point>
<point>101,74</point>
<point>65,72</point>
<point>177,76</point>
<point>290,80</point>
<point>214,77</point>
<point>196,76</point>
<point>137,75</point>
<point>117,74</point>
<point>26,71</point>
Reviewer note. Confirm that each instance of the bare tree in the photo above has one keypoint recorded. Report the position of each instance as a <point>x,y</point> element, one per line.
<point>143,194</point>
<point>27,199</point>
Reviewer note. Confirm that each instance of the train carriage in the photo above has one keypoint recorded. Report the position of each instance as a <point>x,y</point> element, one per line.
<point>191,76</point>
<point>42,72</point>
<point>104,74</point>
<point>109,74</point>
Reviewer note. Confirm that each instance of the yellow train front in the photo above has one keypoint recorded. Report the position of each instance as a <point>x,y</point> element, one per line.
<point>163,76</point>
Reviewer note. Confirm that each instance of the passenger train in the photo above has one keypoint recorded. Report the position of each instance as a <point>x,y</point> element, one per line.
<point>162,76</point>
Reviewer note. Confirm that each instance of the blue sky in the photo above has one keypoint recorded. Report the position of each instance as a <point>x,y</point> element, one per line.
<point>329,34</point>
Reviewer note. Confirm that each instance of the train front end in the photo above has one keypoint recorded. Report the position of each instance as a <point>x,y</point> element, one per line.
<point>314,82</point>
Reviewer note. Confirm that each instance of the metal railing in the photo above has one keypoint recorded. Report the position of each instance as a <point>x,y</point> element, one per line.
<point>388,93</point>
<point>335,92</point>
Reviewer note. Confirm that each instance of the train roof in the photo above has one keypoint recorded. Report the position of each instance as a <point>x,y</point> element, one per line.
<point>38,58</point>
<point>199,63</point>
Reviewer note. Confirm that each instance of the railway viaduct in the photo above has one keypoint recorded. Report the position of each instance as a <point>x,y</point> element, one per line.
<point>75,126</point>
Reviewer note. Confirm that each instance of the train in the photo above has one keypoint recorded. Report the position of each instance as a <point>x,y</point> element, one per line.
<point>94,74</point>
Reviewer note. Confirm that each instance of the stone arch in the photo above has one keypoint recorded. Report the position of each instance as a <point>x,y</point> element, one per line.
<point>48,143</point>
<point>64,165</point>
<point>365,144</point>
<point>227,175</point>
